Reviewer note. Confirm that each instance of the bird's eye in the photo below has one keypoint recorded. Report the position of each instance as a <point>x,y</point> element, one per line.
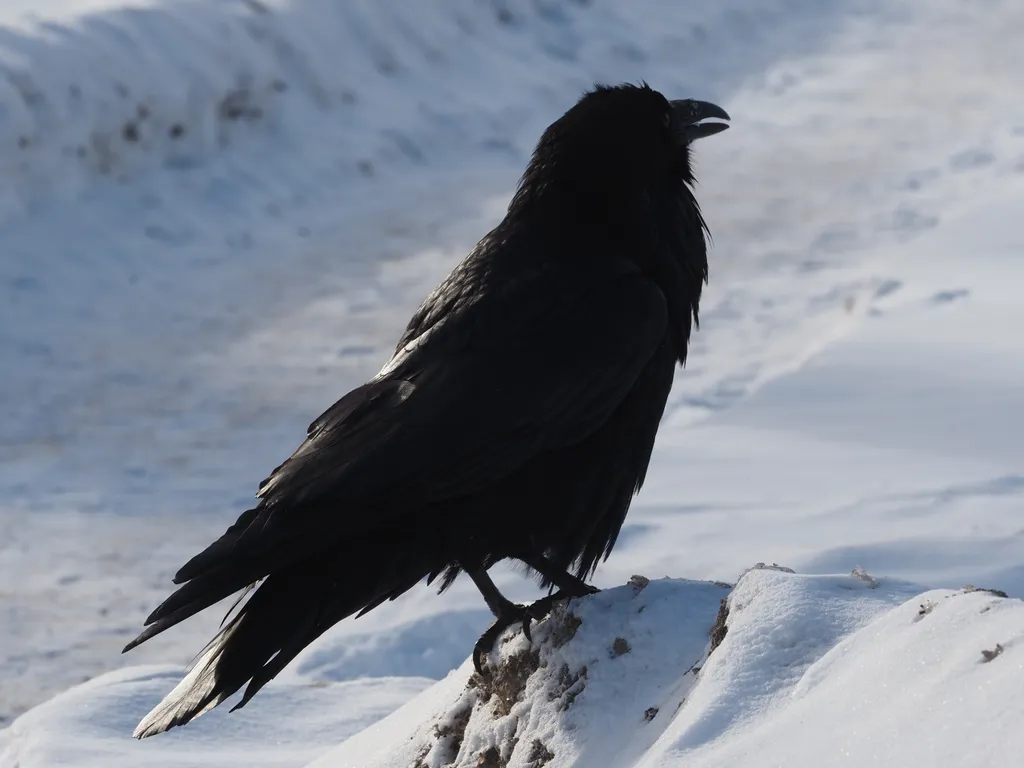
<point>666,120</point>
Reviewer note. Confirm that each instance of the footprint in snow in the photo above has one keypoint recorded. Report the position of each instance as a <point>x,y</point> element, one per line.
<point>908,221</point>
<point>888,288</point>
<point>947,297</point>
<point>971,159</point>
<point>922,178</point>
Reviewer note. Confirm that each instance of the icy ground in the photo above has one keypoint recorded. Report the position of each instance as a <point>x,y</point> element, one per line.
<point>215,218</point>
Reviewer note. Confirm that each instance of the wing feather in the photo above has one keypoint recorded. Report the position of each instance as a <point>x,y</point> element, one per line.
<point>497,384</point>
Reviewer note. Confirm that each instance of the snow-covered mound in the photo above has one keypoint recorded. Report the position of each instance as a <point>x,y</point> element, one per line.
<point>596,673</point>
<point>784,669</point>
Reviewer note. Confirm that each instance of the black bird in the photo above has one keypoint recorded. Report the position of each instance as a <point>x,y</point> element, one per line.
<point>515,420</point>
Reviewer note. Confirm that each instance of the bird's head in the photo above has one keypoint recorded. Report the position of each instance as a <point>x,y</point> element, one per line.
<point>625,137</point>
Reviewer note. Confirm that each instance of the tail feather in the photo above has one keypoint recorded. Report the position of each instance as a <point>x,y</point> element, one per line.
<point>191,598</point>
<point>280,610</point>
<point>221,550</point>
<point>286,612</point>
<point>303,637</point>
<point>217,580</point>
<point>196,694</point>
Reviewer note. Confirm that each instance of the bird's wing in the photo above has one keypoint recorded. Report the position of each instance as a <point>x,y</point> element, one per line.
<point>458,415</point>
<point>475,397</point>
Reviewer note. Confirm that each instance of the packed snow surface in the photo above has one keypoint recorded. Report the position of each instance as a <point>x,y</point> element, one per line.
<point>215,218</point>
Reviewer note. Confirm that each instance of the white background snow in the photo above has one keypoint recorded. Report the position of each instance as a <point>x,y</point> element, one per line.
<point>215,218</point>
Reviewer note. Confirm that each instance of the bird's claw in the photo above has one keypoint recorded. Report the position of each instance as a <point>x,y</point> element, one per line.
<point>486,643</point>
<point>525,614</point>
<point>538,609</point>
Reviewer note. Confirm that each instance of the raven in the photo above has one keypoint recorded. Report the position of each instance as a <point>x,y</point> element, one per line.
<point>515,420</point>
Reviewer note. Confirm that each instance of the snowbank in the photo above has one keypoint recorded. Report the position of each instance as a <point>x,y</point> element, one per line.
<point>784,669</point>
<point>96,90</point>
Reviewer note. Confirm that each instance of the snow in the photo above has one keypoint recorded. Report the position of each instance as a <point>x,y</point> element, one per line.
<point>175,308</point>
<point>86,725</point>
<point>896,448</point>
<point>903,690</point>
<point>806,660</point>
<point>813,670</point>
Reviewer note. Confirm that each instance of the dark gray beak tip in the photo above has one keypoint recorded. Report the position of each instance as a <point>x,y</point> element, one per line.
<point>687,115</point>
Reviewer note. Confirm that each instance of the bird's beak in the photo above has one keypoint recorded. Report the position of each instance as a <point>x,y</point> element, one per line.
<point>687,115</point>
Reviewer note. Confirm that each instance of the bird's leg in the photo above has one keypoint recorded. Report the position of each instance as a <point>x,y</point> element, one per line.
<point>569,585</point>
<point>500,605</point>
<point>506,613</point>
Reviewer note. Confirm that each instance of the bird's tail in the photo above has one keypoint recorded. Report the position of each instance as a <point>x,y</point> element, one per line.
<point>286,612</point>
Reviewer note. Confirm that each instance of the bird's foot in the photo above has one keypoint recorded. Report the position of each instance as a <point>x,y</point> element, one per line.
<point>512,614</point>
<point>585,589</point>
